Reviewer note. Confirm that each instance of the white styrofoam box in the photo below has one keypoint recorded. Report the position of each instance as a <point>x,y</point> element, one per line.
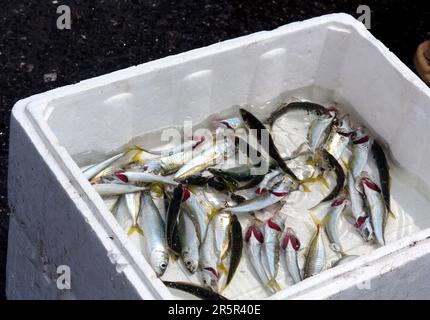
<point>58,219</point>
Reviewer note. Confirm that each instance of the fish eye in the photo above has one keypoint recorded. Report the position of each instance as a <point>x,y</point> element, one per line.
<point>163,265</point>
<point>188,263</point>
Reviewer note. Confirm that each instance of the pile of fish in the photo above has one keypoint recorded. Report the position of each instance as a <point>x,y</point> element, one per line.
<point>184,203</point>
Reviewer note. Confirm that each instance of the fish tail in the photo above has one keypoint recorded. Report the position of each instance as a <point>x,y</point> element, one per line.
<point>320,178</point>
<point>223,268</point>
<point>306,188</point>
<point>318,222</point>
<point>274,285</point>
<point>157,188</point>
<point>213,212</point>
<point>135,228</point>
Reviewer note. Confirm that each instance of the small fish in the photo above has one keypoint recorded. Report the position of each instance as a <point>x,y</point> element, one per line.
<point>375,202</point>
<point>125,159</point>
<point>270,179</point>
<point>209,259</point>
<point>253,123</point>
<point>254,239</point>
<point>173,214</point>
<point>272,230</point>
<point>316,255</point>
<point>159,198</point>
<point>339,137</point>
<point>360,219</point>
<point>260,202</point>
<point>336,209</point>
<point>344,259</point>
<point>154,239</point>
<point>132,201</point>
<point>240,174</point>
<point>166,165</point>
<point>189,243</point>
<point>199,210</point>
<point>384,171</point>
<point>143,177</point>
<point>361,143</point>
<point>204,160</point>
<point>222,227</point>
<point>93,170</point>
<point>291,245</point>
<point>230,123</point>
<point>199,291</point>
<point>319,130</point>
<point>111,189</point>
<point>236,244</point>
<point>187,145</point>
<point>122,214</point>
<point>284,108</point>
<point>332,164</point>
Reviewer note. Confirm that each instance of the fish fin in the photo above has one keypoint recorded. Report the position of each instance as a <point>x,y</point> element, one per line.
<point>346,165</point>
<point>306,188</point>
<point>223,268</point>
<point>274,285</point>
<point>318,222</point>
<point>157,188</point>
<point>392,215</point>
<point>213,212</point>
<point>320,178</point>
<point>138,156</point>
<point>133,229</point>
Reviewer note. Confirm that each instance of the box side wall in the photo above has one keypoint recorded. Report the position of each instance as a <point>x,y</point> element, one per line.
<point>48,230</point>
<point>102,119</point>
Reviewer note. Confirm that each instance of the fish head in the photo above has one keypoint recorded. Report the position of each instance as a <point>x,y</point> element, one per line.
<point>190,259</point>
<point>121,176</point>
<point>360,135</point>
<point>291,238</point>
<point>253,231</point>
<point>210,278</point>
<point>159,261</point>
<point>345,127</point>
<point>364,227</point>
<point>341,200</point>
<point>367,182</point>
<point>332,112</point>
<point>152,166</point>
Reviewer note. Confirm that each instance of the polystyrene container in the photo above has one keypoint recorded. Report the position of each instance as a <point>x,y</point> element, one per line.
<point>58,219</point>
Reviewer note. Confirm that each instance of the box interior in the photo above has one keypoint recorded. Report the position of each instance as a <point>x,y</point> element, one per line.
<point>326,62</point>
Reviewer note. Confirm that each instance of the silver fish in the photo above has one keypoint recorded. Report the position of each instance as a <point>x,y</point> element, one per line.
<point>336,209</point>
<point>272,230</point>
<point>154,240</point>
<point>375,202</point>
<point>361,143</point>
<point>187,145</point>
<point>265,184</point>
<point>339,137</point>
<point>319,129</point>
<point>143,177</point>
<point>206,159</point>
<point>209,259</point>
<point>344,260</point>
<point>189,243</point>
<point>254,239</point>
<point>260,202</point>
<point>122,215</point>
<point>110,189</point>
<point>291,245</point>
<point>125,159</point>
<point>360,219</point>
<point>222,224</point>
<point>199,210</point>
<point>132,201</point>
<point>158,196</point>
<point>316,255</point>
<point>92,171</point>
